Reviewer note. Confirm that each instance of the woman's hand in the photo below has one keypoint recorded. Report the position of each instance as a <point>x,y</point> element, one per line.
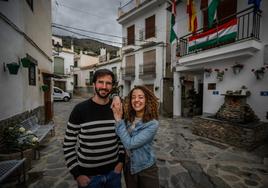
<point>117,108</point>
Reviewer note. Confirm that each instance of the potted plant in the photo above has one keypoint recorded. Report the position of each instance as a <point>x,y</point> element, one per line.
<point>259,73</point>
<point>237,68</point>
<point>13,68</point>
<point>219,74</point>
<point>45,88</point>
<point>25,62</point>
<point>18,144</point>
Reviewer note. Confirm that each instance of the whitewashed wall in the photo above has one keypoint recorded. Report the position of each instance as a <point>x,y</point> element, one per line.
<point>16,94</point>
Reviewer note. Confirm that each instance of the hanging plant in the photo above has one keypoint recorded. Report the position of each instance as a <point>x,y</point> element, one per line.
<point>13,68</point>
<point>25,62</point>
<point>45,88</point>
<point>259,73</point>
<point>219,74</point>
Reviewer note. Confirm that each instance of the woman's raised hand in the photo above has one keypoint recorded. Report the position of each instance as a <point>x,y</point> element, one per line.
<point>117,108</point>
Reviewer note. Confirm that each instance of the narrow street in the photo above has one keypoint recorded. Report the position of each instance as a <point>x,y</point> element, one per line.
<point>185,160</point>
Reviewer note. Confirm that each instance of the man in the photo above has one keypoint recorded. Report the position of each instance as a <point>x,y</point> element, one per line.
<point>93,152</point>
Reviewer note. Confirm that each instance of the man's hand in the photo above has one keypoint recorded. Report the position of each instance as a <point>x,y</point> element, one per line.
<point>83,180</point>
<point>118,168</point>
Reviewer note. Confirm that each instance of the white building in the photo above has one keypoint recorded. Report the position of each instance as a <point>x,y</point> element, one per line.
<point>83,68</point>
<point>63,65</point>
<point>25,33</point>
<point>145,58</point>
<point>208,66</point>
<point>113,63</point>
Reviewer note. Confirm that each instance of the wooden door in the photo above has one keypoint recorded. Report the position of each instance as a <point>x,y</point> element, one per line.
<point>47,100</point>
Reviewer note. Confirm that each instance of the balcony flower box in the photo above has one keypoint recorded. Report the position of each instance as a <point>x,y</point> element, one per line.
<point>13,68</point>
<point>25,62</point>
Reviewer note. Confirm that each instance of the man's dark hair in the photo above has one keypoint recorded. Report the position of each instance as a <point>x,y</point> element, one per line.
<point>103,72</point>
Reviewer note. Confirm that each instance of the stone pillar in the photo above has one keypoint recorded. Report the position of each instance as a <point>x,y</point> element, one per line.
<point>176,95</point>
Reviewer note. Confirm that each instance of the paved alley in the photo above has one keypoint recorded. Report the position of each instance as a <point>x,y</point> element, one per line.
<point>185,160</point>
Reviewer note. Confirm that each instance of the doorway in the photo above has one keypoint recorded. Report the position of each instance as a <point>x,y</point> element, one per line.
<point>48,107</point>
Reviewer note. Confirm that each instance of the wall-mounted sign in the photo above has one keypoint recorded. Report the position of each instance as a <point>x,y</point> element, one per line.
<point>215,92</point>
<point>264,93</point>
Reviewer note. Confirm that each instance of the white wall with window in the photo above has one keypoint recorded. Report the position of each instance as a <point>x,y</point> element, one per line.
<point>34,21</point>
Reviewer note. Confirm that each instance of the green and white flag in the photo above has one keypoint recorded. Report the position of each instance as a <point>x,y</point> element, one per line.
<point>212,9</point>
<point>173,29</point>
<point>224,33</point>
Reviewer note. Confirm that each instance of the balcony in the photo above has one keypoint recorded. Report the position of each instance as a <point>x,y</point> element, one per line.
<point>147,71</point>
<point>238,37</point>
<point>135,8</point>
<point>147,38</point>
<point>128,73</point>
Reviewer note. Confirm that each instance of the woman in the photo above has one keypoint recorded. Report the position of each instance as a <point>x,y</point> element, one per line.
<point>137,132</point>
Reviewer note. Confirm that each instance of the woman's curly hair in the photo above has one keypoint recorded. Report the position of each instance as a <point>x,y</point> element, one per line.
<point>151,105</point>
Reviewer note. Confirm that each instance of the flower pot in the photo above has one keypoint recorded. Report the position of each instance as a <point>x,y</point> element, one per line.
<point>25,62</point>
<point>13,68</point>
<point>45,88</point>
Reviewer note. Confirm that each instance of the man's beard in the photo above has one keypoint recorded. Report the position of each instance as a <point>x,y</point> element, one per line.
<point>102,96</point>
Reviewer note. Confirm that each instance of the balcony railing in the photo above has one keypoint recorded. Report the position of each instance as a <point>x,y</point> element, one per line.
<point>128,73</point>
<point>244,25</point>
<point>147,70</point>
<point>144,35</point>
<point>129,6</point>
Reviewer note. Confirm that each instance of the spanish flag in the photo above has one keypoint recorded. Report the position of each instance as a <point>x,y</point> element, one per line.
<point>192,16</point>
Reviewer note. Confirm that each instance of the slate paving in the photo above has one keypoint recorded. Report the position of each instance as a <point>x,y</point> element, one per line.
<point>184,160</point>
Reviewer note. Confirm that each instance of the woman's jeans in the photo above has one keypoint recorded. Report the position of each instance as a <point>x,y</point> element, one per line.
<point>109,180</point>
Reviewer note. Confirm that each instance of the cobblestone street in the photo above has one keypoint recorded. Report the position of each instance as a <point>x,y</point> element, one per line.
<point>185,160</point>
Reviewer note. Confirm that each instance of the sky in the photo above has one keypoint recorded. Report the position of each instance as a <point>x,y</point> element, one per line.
<point>93,16</point>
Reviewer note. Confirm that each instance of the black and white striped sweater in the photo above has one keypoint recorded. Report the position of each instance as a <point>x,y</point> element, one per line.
<point>91,146</point>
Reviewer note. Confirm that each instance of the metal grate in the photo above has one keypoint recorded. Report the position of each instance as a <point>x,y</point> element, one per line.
<point>7,167</point>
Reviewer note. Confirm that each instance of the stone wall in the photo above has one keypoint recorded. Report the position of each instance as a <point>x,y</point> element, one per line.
<point>247,136</point>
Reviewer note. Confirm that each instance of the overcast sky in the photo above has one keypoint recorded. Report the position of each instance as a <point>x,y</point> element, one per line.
<point>91,15</point>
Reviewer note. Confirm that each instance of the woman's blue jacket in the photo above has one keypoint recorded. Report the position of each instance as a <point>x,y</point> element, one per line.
<point>139,143</point>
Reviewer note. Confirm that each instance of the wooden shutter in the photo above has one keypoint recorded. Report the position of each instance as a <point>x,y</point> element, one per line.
<point>150,27</point>
<point>130,64</point>
<point>131,35</point>
<point>149,61</point>
<point>226,10</point>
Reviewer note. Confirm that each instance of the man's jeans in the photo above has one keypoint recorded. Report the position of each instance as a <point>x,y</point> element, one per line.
<point>109,180</point>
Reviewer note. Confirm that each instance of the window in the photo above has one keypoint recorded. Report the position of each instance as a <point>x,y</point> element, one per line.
<point>57,90</point>
<point>32,70</point>
<point>130,64</point>
<point>75,64</point>
<point>225,9</point>
<point>149,60</point>
<point>150,27</point>
<point>32,74</point>
<point>115,73</point>
<point>30,3</point>
<point>131,35</point>
<point>91,73</point>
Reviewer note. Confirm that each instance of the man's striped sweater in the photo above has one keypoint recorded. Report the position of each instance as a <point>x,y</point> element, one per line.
<point>91,146</point>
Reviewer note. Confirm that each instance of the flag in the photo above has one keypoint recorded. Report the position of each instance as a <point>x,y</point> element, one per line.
<point>212,8</point>
<point>192,16</point>
<point>256,3</point>
<point>173,28</point>
<point>223,33</point>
